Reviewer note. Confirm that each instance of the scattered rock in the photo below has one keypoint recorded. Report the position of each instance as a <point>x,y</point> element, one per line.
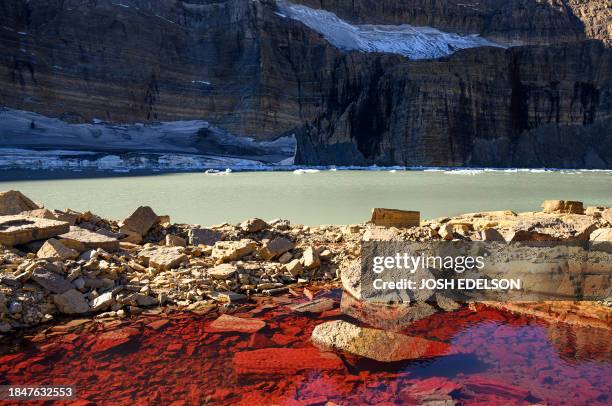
<point>446,231</point>
<point>275,247</point>
<point>315,306</point>
<point>16,230</point>
<point>285,258</point>
<point>311,258</point>
<point>227,297</point>
<point>254,225</point>
<point>71,302</point>
<point>102,302</point>
<point>223,271</point>
<point>379,345</point>
<point>163,258</point>
<point>51,281</point>
<point>81,239</point>
<point>141,220</point>
<point>54,250</point>
<point>294,267</point>
<point>204,236</point>
<point>226,251</point>
<point>175,241</point>
<point>491,234</point>
<point>227,323</point>
<point>15,202</point>
<point>395,218</point>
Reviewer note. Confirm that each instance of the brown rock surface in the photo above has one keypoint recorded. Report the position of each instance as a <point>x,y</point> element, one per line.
<point>16,230</point>
<point>82,239</point>
<point>15,202</point>
<point>54,250</point>
<point>163,258</point>
<point>141,220</point>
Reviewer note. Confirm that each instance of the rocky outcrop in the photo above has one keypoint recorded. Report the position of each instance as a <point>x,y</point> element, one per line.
<point>248,69</point>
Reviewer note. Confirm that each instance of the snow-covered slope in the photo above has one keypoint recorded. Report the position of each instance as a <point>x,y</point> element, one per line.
<point>409,41</point>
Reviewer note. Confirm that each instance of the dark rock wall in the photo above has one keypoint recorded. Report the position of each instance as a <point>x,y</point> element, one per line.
<point>543,105</point>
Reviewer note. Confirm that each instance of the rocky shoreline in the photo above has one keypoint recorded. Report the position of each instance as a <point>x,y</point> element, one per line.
<point>56,264</point>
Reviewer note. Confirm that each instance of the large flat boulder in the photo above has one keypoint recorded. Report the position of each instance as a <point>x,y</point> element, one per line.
<point>15,202</point>
<point>562,206</point>
<point>379,345</point>
<point>275,247</point>
<point>81,239</point>
<point>71,302</point>
<point>51,281</point>
<point>204,236</point>
<point>283,361</point>
<point>227,251</point>
<point>395,218</point>
<point>18,229</point>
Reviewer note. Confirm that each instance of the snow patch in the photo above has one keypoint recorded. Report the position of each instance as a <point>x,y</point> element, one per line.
<point>407,40</point>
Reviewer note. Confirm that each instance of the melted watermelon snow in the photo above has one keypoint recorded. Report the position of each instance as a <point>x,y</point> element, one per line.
<point>186,359</point>
<point>407,40</point>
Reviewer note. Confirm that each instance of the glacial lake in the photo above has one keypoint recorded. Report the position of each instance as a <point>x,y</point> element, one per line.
<point>307,197</point>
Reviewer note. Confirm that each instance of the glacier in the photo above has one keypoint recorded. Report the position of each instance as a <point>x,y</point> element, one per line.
<point>31,140</point>
<point>406,40</point>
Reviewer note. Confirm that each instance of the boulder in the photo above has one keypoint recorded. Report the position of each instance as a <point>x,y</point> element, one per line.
<point>141,220</point>
<point>223,271</point>
<point>379,345</point>
<point>294,267</point>
<point>311,258</point>
<point>40,213</point>
<point>562,206</point>
<point>395,218</point>
<point>446,231</point>
<point>380,234</point>
<point>81,239</point>
<point>601,234</point>
<point>54,250</point>
<point>163,258</point>
<point>71,302</point>
<point>227,251</point>
<point>275,247</point>
<point>16,230</point>
<point>254,225</point>
<point>51,281</point>
<point>204,236</point>
<point>227,323</point>
<point>15,202</point>
<point>175,241</point>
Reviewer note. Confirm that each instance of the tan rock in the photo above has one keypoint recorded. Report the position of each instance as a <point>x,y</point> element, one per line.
<point>175,241</point>
<point>227,251</point>
<point>380,234</point>
<point>40,213</point>
<point>491,234</point>
<point>601,234</point>
<point>379,345</point>
<point>275,247</point>
<point>14,202</point>
<point>446,231</point>
<point>311,258</point>
<point>223,271</point>
<point>395,218</point>
<point>16,230</point>
<point>294,267</point>
<point>81,239</point>
<point>54,250</point>
<point>163,258</point>
<point>254,225</point>
<point>285,258</point>
<point>562,206</point>
<point>71,302</point>
<point>141,220</point>
<point>227,323</point>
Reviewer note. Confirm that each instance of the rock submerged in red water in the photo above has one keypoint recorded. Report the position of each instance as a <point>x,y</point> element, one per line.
<point>227,323</point>
<point>284,361</point>
<point>379,345</point>
<point>113,339</point>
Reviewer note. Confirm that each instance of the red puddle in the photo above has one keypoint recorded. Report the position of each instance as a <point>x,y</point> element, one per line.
<point>494,358</point>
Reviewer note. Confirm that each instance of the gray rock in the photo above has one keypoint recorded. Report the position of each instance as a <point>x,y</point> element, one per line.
<point>275,247</point>
<point>102,302</point>
<point>71,302</point>
<point>51,281</point>
<point>15,307</point>
<point>204,236</point>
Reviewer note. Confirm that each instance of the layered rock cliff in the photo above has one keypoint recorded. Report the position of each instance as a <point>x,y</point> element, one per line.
<point>252,70</point>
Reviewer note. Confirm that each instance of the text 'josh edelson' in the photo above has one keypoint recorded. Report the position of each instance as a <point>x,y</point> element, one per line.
<point>458,264</point>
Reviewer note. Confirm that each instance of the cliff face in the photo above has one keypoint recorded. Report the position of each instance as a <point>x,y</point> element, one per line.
<point>244,66</point>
